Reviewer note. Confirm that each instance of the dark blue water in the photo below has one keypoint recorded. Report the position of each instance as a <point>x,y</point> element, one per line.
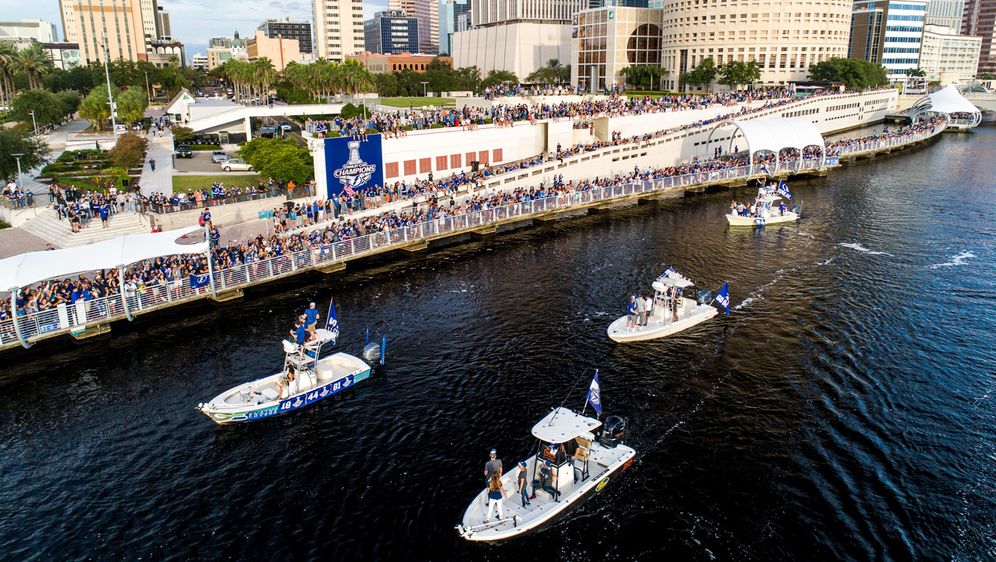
<point>845,410</point>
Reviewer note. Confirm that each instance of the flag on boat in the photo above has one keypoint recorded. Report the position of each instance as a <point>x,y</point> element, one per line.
<point>783,190</point>
<point>198,281</point>
<point>332,322</point>
<point>669,271</point>
<point>595,394</point>
<point>723,297</point>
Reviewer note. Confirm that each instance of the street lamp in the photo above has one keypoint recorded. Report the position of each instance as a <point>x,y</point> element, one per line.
<point>110,94</point>
<point>424,93</point>
<point>18,155</point>
<point>33,122</point>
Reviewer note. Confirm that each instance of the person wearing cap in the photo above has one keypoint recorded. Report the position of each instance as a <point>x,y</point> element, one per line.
<point>311,316</point>
<point>523,488</point>
<point>493,466</point>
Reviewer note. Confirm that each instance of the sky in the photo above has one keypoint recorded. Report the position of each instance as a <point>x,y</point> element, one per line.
<point>193,22</point>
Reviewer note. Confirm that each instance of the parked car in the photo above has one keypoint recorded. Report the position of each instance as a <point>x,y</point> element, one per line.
<point>218,156</point>
<point>285,126</point>
<point>184,151</point>
<point>236,165</point>
<point>269,132</point>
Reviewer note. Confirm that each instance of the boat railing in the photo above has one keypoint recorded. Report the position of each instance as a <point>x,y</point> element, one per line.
<point>75,317</point>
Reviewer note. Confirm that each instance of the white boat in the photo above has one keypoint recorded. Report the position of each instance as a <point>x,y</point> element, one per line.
<point>762,213</point>
<point>581,471</point>
<point>314,378</point>
<point>672,312</point>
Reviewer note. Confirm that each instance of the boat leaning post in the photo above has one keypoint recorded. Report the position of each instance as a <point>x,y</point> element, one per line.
<point>124,296</point>
<point>17,323</point>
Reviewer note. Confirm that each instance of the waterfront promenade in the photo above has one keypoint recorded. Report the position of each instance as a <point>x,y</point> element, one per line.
<point>85,318</point>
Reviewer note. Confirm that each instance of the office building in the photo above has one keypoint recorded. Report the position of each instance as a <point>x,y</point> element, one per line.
<point>222,49</point>
<point>451,13</point>
<point>122,28</point>
<point>496,12</point>
<point>946,13</point>
<point>164,52</point>
<point>947,57</point>
<point>427,13</point>
<point>300,30</point>
<point>64,55</point>
<point>280,50</point>
<point>199,62</point>
<point>978,20</point>
<point>391,33</point>
<point>888,32</point>
<point>406,6</point>
<point>162,24</point>
<point>338,28</point>
<point>518,47</point>
<point>26,31</point>
<point>379,63</point>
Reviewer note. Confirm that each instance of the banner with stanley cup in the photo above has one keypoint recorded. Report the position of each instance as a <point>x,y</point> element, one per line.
<point>352,165</point>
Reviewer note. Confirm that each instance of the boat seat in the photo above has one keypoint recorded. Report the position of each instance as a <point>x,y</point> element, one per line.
<point>289,346</point>
<point>583,454</point>
<point>270,393</point>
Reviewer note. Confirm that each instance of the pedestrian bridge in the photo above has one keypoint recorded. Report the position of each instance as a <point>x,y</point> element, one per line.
<point>241,115</point>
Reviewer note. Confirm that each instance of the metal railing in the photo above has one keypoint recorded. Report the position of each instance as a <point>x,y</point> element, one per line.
<point>68,317</point>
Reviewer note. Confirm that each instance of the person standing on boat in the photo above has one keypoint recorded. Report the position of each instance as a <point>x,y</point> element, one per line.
<point>311,317</point>
<point>493,466</point>
<point>523,487</point>
<point>641,311</point>
<point>496,493</point>
<point>649,304</point>
<point>631,313</point>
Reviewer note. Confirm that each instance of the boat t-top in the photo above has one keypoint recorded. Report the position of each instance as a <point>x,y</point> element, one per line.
<point>570,465</point>
<point>668,313</point>
<point>766,208</point>
<point>306,378</point>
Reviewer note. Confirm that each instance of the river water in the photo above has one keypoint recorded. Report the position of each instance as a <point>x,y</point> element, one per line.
<point>845,410</point>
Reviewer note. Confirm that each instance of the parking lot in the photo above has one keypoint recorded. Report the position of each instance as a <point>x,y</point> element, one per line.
<point>200,164</point>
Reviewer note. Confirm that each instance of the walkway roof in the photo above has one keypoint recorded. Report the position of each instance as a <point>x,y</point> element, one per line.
<point>776,134</point>
<point>949,100</point>
<point>32,267</point>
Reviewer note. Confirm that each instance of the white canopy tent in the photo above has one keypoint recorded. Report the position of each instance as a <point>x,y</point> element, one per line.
<point>774,135</point>
<point>948,101</point>
<point>29,268</point>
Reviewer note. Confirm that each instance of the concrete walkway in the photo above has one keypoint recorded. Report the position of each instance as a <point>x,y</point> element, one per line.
<point>56,141</point>
<point>161,180</point>
<point>16,241</point>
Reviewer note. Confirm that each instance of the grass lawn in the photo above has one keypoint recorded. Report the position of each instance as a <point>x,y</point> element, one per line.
<point>417,102</point>
<point>4,225</point>
<point>191,182</point>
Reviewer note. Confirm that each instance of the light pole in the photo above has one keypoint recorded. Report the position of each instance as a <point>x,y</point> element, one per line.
<point>18,155</point>
<point>33,122</point>
<point>424,93</point>
<point>110,95</point>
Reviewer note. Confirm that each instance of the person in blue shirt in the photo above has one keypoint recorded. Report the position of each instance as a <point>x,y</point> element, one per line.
<point>299,333</point>
<point>104,211</point>
<point>311,317</point>
<point>631,313</point>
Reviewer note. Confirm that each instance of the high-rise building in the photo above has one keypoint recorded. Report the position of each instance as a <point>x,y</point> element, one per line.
<point>338,28</point>
<point>121,27</point>
<point>26,31</point>
<point>980,21</point>
<point>223,49</point>
<point>427,13</point>
<point>947,57</point>
<point>199,62</point>
<point>64,55</point>
<point>162,24</point>
<point>280,50</point>
<point>406,6</point>
<point>450,14</point>
<point>888,32</point>
<point>946,13</point>
<point>300,30</point>
<point>494,12</point>
<point>390,33</point>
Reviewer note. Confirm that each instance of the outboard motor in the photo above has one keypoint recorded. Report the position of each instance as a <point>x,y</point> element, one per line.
<point>614,431</point>
<point>371,352</point>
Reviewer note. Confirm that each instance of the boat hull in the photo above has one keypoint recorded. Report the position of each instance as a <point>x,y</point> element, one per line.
<point>507,529</point>
<point>224,413</point>
<point>738,220</point>
<point>654,330</point>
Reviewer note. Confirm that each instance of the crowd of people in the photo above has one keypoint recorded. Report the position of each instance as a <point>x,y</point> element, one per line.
<point>317,225</point>
<point>17,198</point>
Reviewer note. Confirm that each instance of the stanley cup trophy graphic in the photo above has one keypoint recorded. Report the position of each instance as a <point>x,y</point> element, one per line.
<point>355,173</point>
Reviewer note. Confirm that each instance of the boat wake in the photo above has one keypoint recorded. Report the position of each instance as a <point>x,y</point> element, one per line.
<point>860,248</point>
<point>960,259</point>
<point>825,262</point>
<point>758,293</point>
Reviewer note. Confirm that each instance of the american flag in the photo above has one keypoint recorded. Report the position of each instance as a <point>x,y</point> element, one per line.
<point>349,190</point>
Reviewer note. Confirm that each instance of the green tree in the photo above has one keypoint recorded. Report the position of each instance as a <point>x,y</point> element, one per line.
<point>94,107</point>
<point>17,142</point>
<point>552,73</point>
<point>182,134</point>
<point>280,159</point>
<point>702,75</point>
<point>69,102</point>
<point>643,76</point>
<point>35,63</point>
<point>496,77</point>
<point>131,104</point>
<point>129,151</point>
<point>8,54</point>
<point>737,73</point>
<point>46,106</point>
<point>855,74</point>
<point>919,73</point>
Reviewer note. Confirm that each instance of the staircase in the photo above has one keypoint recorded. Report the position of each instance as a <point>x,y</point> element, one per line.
<point>47,226</point>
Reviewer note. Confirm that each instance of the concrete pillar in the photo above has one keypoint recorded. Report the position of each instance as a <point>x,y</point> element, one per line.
<point>248,125</point>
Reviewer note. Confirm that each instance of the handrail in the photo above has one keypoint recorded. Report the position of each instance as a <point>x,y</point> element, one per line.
<point>66,317</point>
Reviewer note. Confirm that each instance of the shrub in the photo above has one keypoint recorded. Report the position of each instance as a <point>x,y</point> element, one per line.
<point>129,152</point>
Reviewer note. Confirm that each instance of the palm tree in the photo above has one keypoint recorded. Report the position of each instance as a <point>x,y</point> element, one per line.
<point>35,62</point>
<point>8,54</point>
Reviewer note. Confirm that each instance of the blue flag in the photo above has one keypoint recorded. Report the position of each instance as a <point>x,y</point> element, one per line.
<point>595,394</point>
<point>198,281</point>
<point>723,297</point>
<point>783,190</point>
<point>669,271</point>
<point>332,322</point>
